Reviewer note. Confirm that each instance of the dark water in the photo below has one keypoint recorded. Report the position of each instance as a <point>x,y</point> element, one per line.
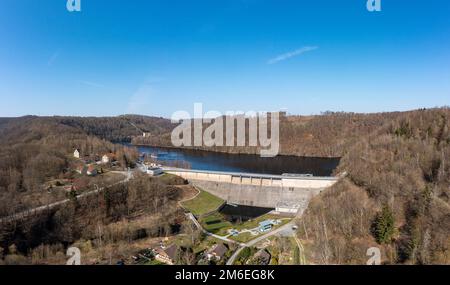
<point>240,213</point>
<point>204,160</point>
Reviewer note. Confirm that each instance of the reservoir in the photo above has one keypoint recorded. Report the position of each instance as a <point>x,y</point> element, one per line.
<point>214,161</point>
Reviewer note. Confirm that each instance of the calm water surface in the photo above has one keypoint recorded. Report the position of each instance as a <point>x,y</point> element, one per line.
<point>204,160</point>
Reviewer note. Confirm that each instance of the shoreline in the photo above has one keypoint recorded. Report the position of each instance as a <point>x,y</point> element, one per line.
<point>232,153</point>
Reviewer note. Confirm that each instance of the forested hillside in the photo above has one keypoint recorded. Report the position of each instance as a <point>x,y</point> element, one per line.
<point>327,135</point>
<point>114,129</point>
<point>103,226</point>
<point>396,196</point>
<point>118,129</point>
<point>34,150</point>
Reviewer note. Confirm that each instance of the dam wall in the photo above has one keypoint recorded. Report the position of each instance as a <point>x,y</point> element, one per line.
<point>258,190</point>
<point>256,179</point>
<point>258,196</point>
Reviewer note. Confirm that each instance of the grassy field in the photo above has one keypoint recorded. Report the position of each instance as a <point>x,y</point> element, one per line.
<point>202,204</point>
<point>243,237</point>
<point>251,224</point>
<point>216,224</point>
<point>170,179</point>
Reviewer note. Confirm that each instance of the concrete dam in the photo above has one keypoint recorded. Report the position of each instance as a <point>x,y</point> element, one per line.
<point>285,193</point>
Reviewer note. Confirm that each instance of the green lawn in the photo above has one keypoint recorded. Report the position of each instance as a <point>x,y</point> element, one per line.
<point>243,237</point>
<point>216,224</point>
<point>202,204</point>
<point>251,224</point>
<point>170,179</point>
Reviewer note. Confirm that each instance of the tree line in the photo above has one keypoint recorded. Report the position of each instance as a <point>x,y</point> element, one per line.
<point>396,196</point>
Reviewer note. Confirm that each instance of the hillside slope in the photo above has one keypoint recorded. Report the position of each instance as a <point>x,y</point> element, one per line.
<point>327,135</point>
<point>35,150</point>
<point>396,196</point>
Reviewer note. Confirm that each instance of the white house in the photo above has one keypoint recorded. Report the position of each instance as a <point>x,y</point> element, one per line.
<point>107,158</point>
<point>154,171</point>
<point>76,153</point>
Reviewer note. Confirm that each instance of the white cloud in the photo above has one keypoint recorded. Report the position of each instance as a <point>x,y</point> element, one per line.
<point>291,54</point>
<point>140,102</point>
<point>145,99</point>
<point>53,58</point>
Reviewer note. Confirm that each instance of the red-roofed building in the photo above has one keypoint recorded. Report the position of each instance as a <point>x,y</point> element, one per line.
<point>167,255</point>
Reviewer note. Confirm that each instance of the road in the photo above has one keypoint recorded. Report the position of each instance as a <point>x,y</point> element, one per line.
<point>241,245</point>
<point>301,249</point>
<point>258,239</point>
<point>197,224</point>
<point>34,211</point>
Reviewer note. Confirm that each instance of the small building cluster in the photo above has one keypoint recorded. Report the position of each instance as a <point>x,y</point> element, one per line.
<point>153,169</point>
<point>267,225</point>
<point>169,254</point>
<point>87,169</point>
<point>88,165</point>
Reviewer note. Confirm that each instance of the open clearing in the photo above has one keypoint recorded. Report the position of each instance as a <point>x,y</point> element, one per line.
<point>202,204</point>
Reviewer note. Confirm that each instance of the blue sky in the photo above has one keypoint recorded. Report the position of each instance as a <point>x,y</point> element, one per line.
<point>156,57</point>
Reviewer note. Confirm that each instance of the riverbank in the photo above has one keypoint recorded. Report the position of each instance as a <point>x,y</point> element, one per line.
<point>238,151</point>
<point>247,163</point>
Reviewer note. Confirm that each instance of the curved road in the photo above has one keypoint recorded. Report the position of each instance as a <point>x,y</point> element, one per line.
<point>257,240</point>
<point>197,224</point>
<point>241,245</point>
<point>34,211</point>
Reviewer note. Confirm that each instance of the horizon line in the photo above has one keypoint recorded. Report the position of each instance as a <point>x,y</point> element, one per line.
<point>322,113</point>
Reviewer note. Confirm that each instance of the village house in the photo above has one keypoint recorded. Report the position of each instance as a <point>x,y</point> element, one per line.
<point>167,255</point>
<point>217,252</point>
<point>76,153</point>
<point>80,169</point>
<point>89,170</point>
<point>107,158</point>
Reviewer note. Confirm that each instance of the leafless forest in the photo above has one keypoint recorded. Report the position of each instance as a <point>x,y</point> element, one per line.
<point>395,196</point>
